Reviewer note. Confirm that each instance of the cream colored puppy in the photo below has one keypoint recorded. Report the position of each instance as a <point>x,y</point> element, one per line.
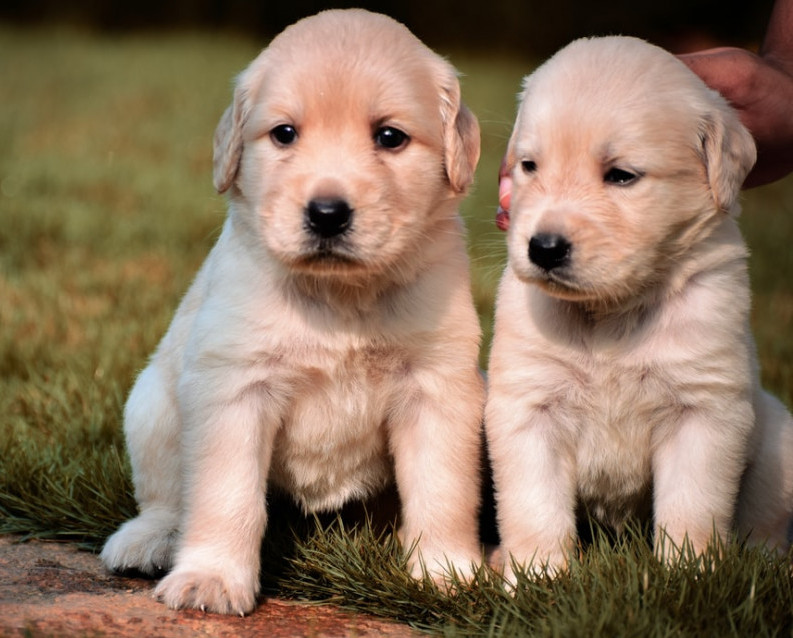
<point>623,377</point>
<point>328,345</point>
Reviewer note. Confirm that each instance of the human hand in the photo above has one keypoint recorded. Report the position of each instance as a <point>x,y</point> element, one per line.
<point>761,90</point>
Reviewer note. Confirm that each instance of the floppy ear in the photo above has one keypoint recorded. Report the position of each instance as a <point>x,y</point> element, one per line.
<point>227,149</point>
<point>729,154</point>
<point>227,146</point>
<point>460,135</point>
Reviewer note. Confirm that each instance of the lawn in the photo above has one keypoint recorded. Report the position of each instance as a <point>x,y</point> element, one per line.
<point>107,210</point>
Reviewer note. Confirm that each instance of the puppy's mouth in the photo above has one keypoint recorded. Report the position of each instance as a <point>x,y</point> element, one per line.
<point>328,255</point>
<point>565,287</point>
<point>559,283</point>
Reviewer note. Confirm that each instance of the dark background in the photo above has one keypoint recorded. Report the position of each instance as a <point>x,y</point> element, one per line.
<point>535,27</point>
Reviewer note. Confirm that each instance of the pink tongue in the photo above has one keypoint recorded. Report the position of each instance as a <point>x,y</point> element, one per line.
<point>502,219</point>
<point>504,191</point>
<point>504,197</point>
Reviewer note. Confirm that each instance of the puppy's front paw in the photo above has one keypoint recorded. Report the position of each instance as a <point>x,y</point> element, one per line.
<point>444,569</point>
<point>208,591</point>
<point>145,544</point>
<point>511,569</point>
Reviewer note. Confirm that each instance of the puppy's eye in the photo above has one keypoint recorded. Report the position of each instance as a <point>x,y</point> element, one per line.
<point>529,166</point>
<point>390,138</point>
<point>284,135</point>
<point>619,177</point>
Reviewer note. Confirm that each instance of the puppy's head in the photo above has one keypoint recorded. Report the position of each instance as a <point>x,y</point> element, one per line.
<point>345,142</point>
<point>621,161</point>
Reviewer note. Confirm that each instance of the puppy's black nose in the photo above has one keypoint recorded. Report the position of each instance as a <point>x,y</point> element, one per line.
<point>328,217</point>
<point>549,250</point>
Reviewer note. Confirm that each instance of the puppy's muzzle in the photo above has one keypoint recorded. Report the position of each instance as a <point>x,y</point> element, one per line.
<point>549,251</point>
<point>328,218</point>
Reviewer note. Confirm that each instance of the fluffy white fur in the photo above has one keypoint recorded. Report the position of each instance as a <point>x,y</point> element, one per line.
<point>327,367</point>
<point>624,380</point>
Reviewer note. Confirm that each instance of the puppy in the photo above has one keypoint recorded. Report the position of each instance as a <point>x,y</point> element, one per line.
<point>623,379</point>
<point>329,343</point>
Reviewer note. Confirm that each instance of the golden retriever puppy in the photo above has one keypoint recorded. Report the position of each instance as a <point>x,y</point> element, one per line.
<point>329,343</point>
<point>623,378</point>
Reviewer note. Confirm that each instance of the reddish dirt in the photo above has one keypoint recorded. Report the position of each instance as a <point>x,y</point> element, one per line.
<point>53,589</point>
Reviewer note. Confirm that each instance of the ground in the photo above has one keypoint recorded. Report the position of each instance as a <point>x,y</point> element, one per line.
<point>54,589</point>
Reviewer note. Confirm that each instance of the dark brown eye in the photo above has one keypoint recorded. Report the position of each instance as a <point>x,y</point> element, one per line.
<point>619,177</point>
<point>390,138</point>
<point>529,166</point>
<point>284,135</point>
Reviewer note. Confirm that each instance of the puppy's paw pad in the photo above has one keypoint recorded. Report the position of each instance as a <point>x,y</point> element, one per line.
<point>207,592</point>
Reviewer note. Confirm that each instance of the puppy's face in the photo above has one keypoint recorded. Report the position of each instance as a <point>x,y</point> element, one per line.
<point>621,161</point>
<point>345,143</point>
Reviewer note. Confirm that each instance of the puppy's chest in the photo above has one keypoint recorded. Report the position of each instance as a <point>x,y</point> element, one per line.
<point>332,444</point>
<point>618,413</point>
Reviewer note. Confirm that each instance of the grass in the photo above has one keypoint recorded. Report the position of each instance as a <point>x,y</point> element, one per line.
<point>616,589</point>
<point>106,212</point>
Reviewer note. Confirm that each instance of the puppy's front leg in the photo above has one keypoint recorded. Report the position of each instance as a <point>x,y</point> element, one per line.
<point>435,439</point>
<point>227,448</point>
<point>534,476</point>
<point>697,469</point>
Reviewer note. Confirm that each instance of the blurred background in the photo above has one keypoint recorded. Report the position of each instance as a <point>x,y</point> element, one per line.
<point>537,27</point>
<point>107,111</point>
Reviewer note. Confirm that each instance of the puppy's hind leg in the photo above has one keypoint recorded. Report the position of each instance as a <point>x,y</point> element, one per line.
<point>147,543</point>
<point>765,506</point>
